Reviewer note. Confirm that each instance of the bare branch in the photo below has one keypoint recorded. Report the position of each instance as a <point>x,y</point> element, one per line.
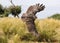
<point>12,3</point>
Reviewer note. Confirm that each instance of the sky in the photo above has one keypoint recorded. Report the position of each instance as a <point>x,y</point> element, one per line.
<point>51,6</point>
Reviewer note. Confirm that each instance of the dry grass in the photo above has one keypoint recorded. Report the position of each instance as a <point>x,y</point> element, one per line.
<point>49,28</point>
<point>11,29</point>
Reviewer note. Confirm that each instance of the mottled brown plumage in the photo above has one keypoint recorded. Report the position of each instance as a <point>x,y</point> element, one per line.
<point>30,16</point>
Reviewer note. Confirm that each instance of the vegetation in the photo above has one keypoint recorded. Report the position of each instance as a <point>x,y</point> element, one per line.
<point>4,12</point>
<point>1,9</point>
<point>15,10</point>
<point>13,30</point>
<point>55,16</point>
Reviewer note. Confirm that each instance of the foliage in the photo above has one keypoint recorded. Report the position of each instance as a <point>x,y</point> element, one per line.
<point>4,12</point>
<point>15,10</point>
<point>1,9</point>
<point>55,16</point>
<point>13,30</point>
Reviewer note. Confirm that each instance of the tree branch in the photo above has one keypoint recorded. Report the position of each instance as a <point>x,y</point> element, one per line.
<point>12,3</point>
